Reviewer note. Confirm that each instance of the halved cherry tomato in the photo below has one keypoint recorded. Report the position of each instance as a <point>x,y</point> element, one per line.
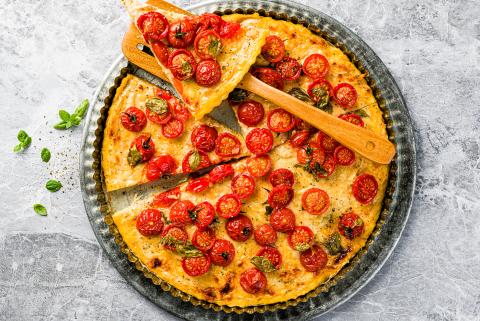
<point>207,21</point>
<point>271,254</point>
<point>181,33</point>
<point>166,199</point>
<point>269,76</point>
<point>141,150</point>
<point>195,160</point>
<point>280,120</point>
<point>250,112</point>
<point>227,145</point>
<point>281,176</point>
<point>222,252</point>
<point>181,112</point>
<point>208,73</point>
<point>133,119</point>
<point>203,239</point>
<point>327,143</point>
<point>229,29</point>
<point>352,118</point>
<point>172,235</point>
<point>229,205</point>
<point>182,64</point>
<point>203,138</point>
<point>202,214</point>
<point>274,49</point>
<point>315,201</point>
<point>253,281</point>
<point>316,66</point>
<point>280,196</point>
<point>220,172</point>
<point>161,52</point>
<point>208,44</point>
<point>289,68</point>
<point>311,155</point>
<point>153,25</point>
<point>320,90</point>
<point>282,220</point>
<point>259,166</point>
<point>328,167</point>
<point>239,228</point>
<point>243,185</point>
<point>149,222</point>
<point>300,138</point>
<point>259,141</point>
<point>314,259</point>
<point>158,110</point>
<point>344,156</point>
<point>163,93</point>
<point>181,213</point>
<point>365,188</point>
<point>345,95</point>
<point>301,239</point>
<point>160,166</point>
<point>350,225</point>
<point>195,266</point>
<point>173,128</point>
<point>198,185</point>
<point>265,235</point>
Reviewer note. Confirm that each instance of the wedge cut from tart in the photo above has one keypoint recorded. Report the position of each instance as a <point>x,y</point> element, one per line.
<point>204,57</point>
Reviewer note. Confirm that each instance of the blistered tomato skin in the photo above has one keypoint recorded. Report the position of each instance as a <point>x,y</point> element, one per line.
<point>181,34</point>
<point>173,128</point>
<point>365,188</point>
<point>272,254</point>
<point>315,201</point>
<point>180,213</point>
<point>281,176</point>
<point>353,119</point>
<point>198,185</point>
<point>203,239</point>
<point>350,225</point>
<point>243,185</point>
<point>166,199</point>
<point>219,173</point>
<point>222,252</point>
<point>239,228</point>
<point>253,281</point>
<point>280,120</point>
<point>203,138</point>
<point>150,222</point>
<point>274,49</point>
<point>228,206</point>
<point>227,145</point>
<point>196,266</point>
<point>133,119</point>
<point>203,214</point>
<point>259,166</point>
<point>153,25</point>
<point>160,166</point>
<point>143,145</point>
<point>259,141</point>
<point>289,68</point>
<point>265,235</point>
<point>314,259</point>
<point>208,73</point>
<point>280,196</point>
<point>250,112</point>
<point>282,220</point>
<point>316,66</point>
<point>345,95</point>
<point>182,64</point>
<point>301,238</point>
<point>175,233</point>
<point>269,76</point>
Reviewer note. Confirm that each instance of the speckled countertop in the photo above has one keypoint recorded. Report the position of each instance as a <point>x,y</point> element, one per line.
<point>51,268</point>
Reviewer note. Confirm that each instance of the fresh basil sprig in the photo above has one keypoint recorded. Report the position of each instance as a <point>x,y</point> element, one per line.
<point>45,154</point>
<point>53,185</point>
<point>74,119</point>
<point>24,141</point>
<point>40,209</point>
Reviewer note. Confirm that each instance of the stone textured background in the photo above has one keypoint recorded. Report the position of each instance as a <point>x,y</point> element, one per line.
<point>51,268</point>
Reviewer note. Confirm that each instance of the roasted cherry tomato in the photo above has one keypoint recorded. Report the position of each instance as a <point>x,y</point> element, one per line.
<point>173,235</point>
<point>181,112</point>
<point>345,95</point>
<point>208,44</point>
<point>320,91</point>
<point>315,201</point>
<point>227,145</point>
<point>166,199</point>
<point>253,281</point>
<point>208,73</point>
<point>301,239</point>
<point>265,235</point>
<point>300,138</point>
<point>222,252</point>
<point>202,214</point>
<point>365,188</point>
<point>228,206</point>
<point>328,167</point>
<point>280,120</point>
<point>250,112</point>
<point>160,166</point>
<point>158,110</point>
<point>219,173</point>
<point>311,155</point>
<point>195,160</point>
<point>182,64</point>
<point>141,150</point>
<point>229,29</point>
<point>209,21</point>
<point>259,166</point>
<point>259,141</point>
<point>271,254</point>
<point>314,259</point>
<point>289,68</point>
<point>280,196</point>
<point>133,119</point>
<point>350,225</point>
<point>173,128</point>
<point>269,76</point>
<point>149,222</point>
<point>195,266</point>
<point>274,49</point>
<point>181,213</point>
<point>161,52</point>
<point>282,220</point>
<point>315,66</point>
<point>203,138</point>
<point>352,118</point>
<point>153,25</point>
<point>239,228</point>
<point>281,176</point>
<point>327,143</point>
<point>203,239</point>
<point>243,185</point>
<point>181,34</point>
<point>163,93</point>
<point>198,185</point>
<point>344,156</point>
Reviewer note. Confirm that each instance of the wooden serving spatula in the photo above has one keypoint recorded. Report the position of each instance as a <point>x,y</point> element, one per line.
<point>363,141</point>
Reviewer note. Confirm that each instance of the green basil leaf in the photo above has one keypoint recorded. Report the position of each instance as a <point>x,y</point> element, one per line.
<point>360,112</point>
<point>157,105</point>
<point>333,244</point>
<point>27,142</point>
<point>214,47</point>
<point>40,209</point>
<point>134,157</point>
<point>188,250</point>
<point>61,125</point>
<point>68,124</point>
<point>45,154</point>
<point>22,135</point>
<point>299,93</point>
<point>81,110</point>
<point>18,148</point>
<point>302,247</point>
<point>263,264</point>
<point>75,120</point>
<point>194,160</point>
<point>24,140</point>
<point>64,115</point>
<point>324,104</point>
<point>53,185</point>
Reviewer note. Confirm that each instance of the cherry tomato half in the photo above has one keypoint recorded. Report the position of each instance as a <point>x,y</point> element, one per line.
<point>208,73</point>
<point>289,68</point>
<point>203,138</point>
<point>300,138</point>
<point>133,119</point>
<point>315,201</point>
<point>160,166</point>
<point>195,160</point>
<point>320,90</point>
<point>274,49</point>
<point>282,220</point>
<point>227,145</point>
<point>280,120</point>
<point>352,118</point>
<point>141,150</point>
<point>222,252</point>
<point>229,205</point>
<point>259,141</point>
<point>229,29</point>
<point>280,196</point>
<point>161,51</point>
<point>158,110</point>
<point>265,235</point>
<point>345,95</point>
<point>250,112</point>
<point>259,166</point>
<point>219,173</point>
<point>172,235</point>
<point>207,21</point>
<point>269,76</point>
<point>239,228</point>
<point>208,44</point>
<point>203,239</point>
<point>166,199</point>
<point>253,281</point>
<point>301,239</point>
<point>153,25</point>
<point>350,225</point>
<point>365,188</point>
<point>327,143</point>
<point>314,259</point>
<point>315,66</point>
<point>182,64</point>
<point>180,213</point>
<point>181,33</point>
<point>271,254</point>
<point>281,176</point>
<point>198,185</point>
<point>344,156</point>
<point>195,266</point>
<point>173,128</point>
<point>243,185</point>
<point>203,214</point>
<point>149,222</point>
